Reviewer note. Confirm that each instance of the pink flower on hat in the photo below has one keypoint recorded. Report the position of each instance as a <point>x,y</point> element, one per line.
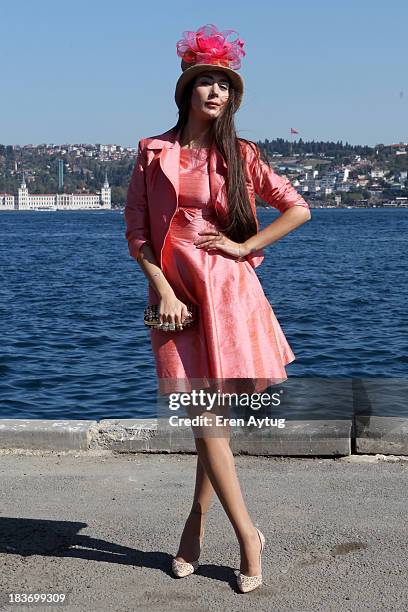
<point>209,46</point>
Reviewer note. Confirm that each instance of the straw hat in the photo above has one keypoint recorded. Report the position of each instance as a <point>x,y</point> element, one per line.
<point>209,49</point>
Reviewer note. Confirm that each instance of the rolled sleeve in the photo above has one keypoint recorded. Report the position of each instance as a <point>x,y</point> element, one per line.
<point>274,189</point>
<point>136,211</point>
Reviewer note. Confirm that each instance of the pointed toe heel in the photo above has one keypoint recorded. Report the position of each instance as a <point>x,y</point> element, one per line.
<point>249,583</point>
<point>182,568</point>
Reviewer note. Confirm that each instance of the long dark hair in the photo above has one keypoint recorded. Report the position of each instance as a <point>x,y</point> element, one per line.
<point>241,223</point>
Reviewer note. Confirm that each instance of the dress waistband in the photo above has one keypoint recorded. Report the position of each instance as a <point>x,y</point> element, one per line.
<point>192,212</point>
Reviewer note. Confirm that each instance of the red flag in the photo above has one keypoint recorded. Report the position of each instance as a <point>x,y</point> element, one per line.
<point>293,131</point>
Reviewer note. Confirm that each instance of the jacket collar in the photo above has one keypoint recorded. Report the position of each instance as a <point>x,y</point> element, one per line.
<point>168,140</point>
<point>171,140</point>
<point>169,145</point>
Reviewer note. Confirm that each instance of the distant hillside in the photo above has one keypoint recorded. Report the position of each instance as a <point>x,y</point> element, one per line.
<point>85,165</point>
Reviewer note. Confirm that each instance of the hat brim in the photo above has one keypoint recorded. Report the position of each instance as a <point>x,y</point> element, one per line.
<point>193,71</point>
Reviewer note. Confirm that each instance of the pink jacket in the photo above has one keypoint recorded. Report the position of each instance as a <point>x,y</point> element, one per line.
<point>152,196</point>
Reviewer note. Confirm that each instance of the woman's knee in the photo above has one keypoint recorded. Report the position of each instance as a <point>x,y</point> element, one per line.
<point>211,444</point>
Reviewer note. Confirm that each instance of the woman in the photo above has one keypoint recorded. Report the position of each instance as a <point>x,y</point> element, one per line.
<point>191,224</point>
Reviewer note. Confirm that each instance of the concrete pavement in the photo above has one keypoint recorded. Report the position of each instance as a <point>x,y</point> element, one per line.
<point>102,528</point>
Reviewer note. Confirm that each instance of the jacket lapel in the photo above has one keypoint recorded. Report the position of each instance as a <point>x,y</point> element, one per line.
<point>169,157</point>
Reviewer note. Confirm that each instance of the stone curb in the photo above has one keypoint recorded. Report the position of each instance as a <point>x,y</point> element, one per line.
<point>368,434</point>
<point>386,435</point>
<point>297,438</point>
<point>151,435</point>
<point>38,434</point>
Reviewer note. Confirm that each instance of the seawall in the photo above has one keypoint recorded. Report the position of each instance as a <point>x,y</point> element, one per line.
<point>327,438</point>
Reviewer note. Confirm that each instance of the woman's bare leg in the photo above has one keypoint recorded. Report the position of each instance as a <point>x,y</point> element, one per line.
<point>216,456</point>
<point>189,548</point>
<point>216,472</point>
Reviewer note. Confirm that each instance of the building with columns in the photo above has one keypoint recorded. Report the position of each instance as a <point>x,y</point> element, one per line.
<point>56,201</point>
<point>6,201</point>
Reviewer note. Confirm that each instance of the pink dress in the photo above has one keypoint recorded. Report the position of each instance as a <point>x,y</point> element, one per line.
<point>237,342</point>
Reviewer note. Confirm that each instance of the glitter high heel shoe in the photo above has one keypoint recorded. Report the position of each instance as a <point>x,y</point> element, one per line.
<point>249,583</point>
<point>183,568</point>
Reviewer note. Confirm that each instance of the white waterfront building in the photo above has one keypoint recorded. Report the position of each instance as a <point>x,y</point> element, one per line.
<point>56,201</point>
<point>6,201</point>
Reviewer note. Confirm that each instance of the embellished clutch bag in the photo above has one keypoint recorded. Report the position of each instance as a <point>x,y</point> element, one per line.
<point>151,318</point>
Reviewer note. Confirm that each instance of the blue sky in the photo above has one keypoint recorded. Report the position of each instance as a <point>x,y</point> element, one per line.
<point>105,72</point>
